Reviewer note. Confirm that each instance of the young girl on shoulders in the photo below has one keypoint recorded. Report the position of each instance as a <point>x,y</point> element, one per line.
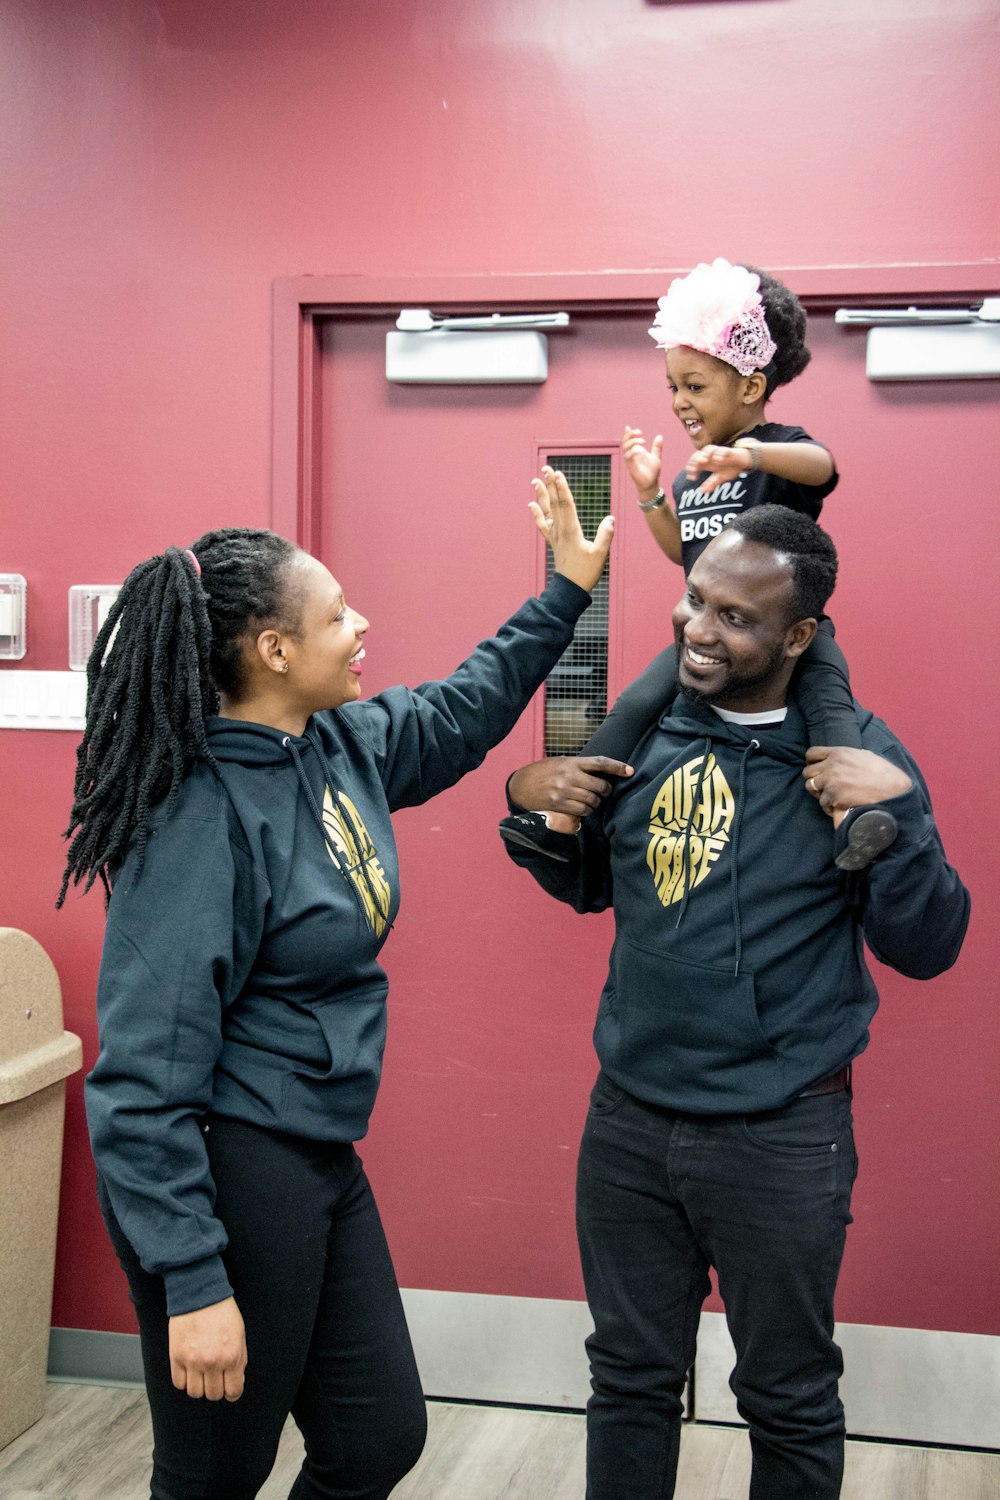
<point>731,335</point>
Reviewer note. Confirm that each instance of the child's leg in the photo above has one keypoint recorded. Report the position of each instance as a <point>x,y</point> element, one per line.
<point>632,713</point>
<point>636,709</point>
<point>822,690</point>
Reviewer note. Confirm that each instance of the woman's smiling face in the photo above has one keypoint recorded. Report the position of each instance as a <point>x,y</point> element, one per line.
<point>325,653</point>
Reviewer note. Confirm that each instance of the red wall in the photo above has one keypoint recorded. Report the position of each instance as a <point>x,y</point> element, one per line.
<point>163,163</point>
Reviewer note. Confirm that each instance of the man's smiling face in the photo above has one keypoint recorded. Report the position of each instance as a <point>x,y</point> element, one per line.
<point>737,639</point>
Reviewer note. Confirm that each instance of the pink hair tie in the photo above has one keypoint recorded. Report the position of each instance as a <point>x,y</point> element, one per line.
<point>194,561</point>
<point>717,310</point>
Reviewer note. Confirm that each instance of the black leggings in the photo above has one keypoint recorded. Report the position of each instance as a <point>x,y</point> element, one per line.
<point>326,1336</point>
<point>821,687</point>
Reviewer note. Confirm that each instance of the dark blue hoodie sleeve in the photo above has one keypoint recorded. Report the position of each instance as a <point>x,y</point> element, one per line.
<point>427,738</point>
<point>911,904</point>
<point>178,943</point>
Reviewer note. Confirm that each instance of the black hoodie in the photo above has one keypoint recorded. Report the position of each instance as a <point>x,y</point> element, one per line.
<point>737,976</point>
<point>240,971</point>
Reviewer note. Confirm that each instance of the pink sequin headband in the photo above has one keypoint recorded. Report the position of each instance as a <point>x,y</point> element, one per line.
<point>717,310</point>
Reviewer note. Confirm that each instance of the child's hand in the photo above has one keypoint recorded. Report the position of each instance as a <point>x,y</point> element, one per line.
<point>642,463</point>
<point>721,463</point>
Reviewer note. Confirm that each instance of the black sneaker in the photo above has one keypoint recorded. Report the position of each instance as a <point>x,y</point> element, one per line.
<point>531,830</point>
<point>869,834</point>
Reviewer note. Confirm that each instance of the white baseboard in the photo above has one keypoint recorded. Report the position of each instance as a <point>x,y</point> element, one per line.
<point>515,1351</point>
<point>912,1384</point>
<point>909,1384</point>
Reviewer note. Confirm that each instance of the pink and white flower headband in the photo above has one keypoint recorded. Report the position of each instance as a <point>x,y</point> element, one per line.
<point>717,310</point>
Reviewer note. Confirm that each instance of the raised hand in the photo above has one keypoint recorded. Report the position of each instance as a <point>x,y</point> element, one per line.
<point>208,1351</point>
<point>643,463</point>
<point>554,510</point>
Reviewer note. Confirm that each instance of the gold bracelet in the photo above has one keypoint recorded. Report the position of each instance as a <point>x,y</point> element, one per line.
<point>753,447</point>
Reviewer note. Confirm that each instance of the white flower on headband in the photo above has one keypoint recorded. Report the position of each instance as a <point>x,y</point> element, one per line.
<point>717,310</point>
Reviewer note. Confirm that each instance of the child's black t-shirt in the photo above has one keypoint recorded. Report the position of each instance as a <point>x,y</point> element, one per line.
<point>703,516</point>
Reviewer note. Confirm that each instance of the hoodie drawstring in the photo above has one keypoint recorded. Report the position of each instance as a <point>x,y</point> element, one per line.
<point>734,881</point>
<point>734,887</point>
<point>686,857</point>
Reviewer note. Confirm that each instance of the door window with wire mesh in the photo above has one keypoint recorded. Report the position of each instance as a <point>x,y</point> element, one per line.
<point>576,692</point>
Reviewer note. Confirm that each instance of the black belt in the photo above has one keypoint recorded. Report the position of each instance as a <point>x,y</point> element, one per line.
<point>836,1083</point>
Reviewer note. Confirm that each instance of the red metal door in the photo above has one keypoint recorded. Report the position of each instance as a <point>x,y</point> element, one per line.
<point>494,987</point>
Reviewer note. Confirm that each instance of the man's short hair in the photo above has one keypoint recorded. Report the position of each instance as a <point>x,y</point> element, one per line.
<point>809,551</point>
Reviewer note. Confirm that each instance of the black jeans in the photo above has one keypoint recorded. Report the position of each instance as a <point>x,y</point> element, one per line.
<point>326,1336</point>
<point>765,1199</point>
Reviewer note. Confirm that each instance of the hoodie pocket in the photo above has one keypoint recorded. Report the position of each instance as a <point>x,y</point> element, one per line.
<point>333,1099</point>
<point>685,1034</point>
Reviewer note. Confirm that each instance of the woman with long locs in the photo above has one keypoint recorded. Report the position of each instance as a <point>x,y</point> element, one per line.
<point>233,795</point>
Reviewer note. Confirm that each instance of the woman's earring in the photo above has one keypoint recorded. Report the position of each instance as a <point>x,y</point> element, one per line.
<point>283,667</point>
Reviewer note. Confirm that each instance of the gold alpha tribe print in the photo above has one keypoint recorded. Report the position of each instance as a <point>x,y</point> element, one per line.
<point>684,837</point>
<point>356,846</point>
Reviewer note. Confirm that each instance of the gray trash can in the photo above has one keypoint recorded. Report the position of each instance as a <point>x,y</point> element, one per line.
<point>36,1058</point>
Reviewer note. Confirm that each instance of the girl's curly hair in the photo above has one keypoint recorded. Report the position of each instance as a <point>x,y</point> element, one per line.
<point>786,321</point>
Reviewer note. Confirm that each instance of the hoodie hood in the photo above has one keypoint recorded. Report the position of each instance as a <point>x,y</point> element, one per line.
<point>785,741</point>
<point>237,742</point>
